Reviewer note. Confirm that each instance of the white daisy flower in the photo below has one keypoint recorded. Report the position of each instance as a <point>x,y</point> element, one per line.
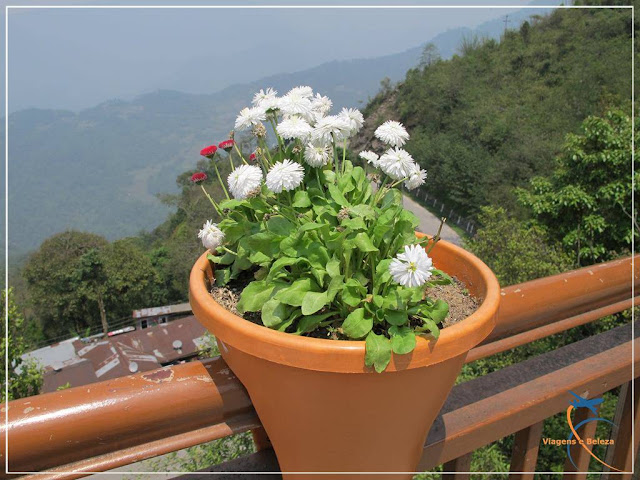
<point>285,175</point>
<point>392,133</point>
<point>266,100</point>
<point>329,127</point>
<point>397,163</point>
<point>249,117</point>
<point>317,155</point>
<point>244,181</point>
<point>303,91</point>
<point>354,117</point>
<point>294,127</point>
<point>211,235</point>
<point>321,105</point>
<point>296,103</point>
<point>370,157</point>
<point>411,268</point>
<point>417,177</point>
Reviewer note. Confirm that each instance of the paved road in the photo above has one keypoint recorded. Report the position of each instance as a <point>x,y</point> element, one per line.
<point>429,223</point>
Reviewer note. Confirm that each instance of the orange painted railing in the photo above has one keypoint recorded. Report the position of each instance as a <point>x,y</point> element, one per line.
<point>109,424</point>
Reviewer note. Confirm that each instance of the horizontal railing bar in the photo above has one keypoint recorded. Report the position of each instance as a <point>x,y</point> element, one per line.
<point>546,300</point>
<point>508,343</point>
<point>119,458</point>
<point>488,408</point>
<point>63,427</point>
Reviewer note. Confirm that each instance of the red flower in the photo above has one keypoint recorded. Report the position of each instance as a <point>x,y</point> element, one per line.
<point>252,157</point>
<point>198,177</point>
<point>227,145</point>
<point>209,151</point>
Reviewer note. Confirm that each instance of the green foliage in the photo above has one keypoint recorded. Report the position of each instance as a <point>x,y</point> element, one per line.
<point>203,456</point>
<point>321,260</point>
<point>495,116</point>
<point>586,202</point>
<point>75,277</point>
<point>515,251</point>
<point>25,377</point>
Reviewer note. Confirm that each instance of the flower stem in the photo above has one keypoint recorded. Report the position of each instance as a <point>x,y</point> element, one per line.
<point>437,235</point>
<point>235,145</point>
<point>213,202</point>
<point>215,165</point>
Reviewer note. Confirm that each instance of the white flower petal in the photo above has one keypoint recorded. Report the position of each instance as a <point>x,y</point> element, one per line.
<point>244,180</point>
<point>285,175</point>
<point>212,237</point>
<point>392,133</point>
<point>412,268</point>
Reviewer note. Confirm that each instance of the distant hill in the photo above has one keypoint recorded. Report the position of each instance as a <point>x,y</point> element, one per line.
<point>99,170</point>
<point>498,114</point>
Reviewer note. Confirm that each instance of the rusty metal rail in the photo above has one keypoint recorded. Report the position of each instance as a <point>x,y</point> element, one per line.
<point>128,419</point>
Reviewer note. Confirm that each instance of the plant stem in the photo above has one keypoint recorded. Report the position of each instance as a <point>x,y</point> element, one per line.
<point>437,235</point>
<point>213,202</point>
<point>215,165</point>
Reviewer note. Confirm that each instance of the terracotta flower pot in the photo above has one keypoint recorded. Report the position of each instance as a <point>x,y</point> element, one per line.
<point>323,410</point>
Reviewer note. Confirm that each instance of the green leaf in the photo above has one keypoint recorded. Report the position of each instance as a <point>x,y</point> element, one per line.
<point>363,242</point>
<point>294,294</point>
<point>439,311</point>
<point>377,352</point>
<point>310,322</point>
<point>357,325</point>
<point>301,199</point>
<point>403,340</point>
<point>223,276</point>
<point>397,318</point>
<point>310,226</point>
<point>382,271</point>
<point>280,225</point>
<point>337,196</point>
<point>431,326</point>
<point>329,176</point>
<point>254,296</point>
<point>274,313</point>
<point>363,210</point>
<point>440,278</point>
<point>333,267</point>
<point>226,259</point>
<point>313,301</point>
<point>335,285</point>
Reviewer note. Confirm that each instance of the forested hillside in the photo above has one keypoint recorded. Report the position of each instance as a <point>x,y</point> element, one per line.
<point>496,115</point>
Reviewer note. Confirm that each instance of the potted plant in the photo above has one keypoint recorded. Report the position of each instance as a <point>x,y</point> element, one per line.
<point>339,343</point>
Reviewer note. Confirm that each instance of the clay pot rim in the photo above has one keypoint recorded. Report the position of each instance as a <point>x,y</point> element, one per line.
<point>342,355</point>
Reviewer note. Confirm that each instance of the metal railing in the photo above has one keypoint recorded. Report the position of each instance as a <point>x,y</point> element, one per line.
<point>109,424</point>
<point>423,196</point>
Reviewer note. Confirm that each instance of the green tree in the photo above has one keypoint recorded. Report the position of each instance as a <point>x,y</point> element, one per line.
<point>25,377</point>
<point>78,280</point>
<point>429,56</point>
<point>515,251</point>
<point>586,202</point>
<point>51,281</point>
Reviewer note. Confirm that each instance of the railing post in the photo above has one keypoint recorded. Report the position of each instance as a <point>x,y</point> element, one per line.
<point>260,439</point>
<point>580,456</point>
<point>622,452</point>
<point>524,455</point>
<point>458,465</point>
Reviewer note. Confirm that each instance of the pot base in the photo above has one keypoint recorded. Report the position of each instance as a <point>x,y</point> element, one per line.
<point>344,422</point>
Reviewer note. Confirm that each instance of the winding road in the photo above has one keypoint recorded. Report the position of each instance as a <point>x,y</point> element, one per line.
<point>429,223</point>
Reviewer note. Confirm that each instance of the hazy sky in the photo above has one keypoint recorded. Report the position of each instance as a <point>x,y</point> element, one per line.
<point>76,58</point>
